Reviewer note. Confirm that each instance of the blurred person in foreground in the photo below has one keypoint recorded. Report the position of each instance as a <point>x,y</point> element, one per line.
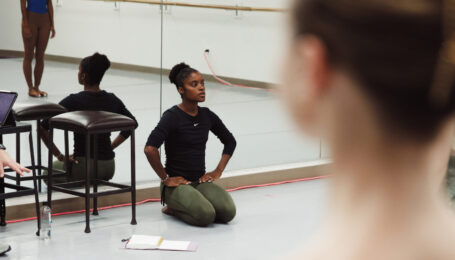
<point>375,79</point>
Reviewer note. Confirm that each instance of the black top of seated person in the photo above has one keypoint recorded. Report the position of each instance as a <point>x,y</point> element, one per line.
<point>185,139</point>
<point>96,101</point>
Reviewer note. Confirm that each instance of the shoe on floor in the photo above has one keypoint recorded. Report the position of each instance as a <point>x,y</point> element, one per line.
<point>4,248</point>
<point>168,211</point>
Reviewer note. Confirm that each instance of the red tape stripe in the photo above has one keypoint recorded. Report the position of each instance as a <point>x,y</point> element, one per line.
<point>158,200</point>
<point>226,83</point>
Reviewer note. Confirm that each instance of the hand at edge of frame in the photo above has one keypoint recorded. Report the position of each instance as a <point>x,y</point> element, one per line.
<point>7,161</point>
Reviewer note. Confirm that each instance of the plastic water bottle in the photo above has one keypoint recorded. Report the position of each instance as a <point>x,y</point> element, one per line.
<point>45,229</point>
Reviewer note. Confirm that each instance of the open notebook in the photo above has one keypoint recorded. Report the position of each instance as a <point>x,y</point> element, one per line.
<point>158,243</point>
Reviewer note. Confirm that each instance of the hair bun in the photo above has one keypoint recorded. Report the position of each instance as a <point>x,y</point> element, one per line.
<point>176,70</point>
<point>102,60</point>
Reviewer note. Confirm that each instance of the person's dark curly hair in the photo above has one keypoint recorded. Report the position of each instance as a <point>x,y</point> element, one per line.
<point>94,67</point>
<point>179,73</point>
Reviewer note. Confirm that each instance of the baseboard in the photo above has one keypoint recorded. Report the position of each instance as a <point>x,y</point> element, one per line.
<point>24,207</point>
<point>137,68</point>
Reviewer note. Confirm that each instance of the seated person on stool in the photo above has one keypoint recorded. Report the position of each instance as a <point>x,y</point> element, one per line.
<point>186,188</point>
<point>91,71</point>
<point>6,161</point>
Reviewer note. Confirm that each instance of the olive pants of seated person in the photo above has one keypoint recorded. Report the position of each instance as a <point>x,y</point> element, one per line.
<point>106,170</point>
<point>199,204</point>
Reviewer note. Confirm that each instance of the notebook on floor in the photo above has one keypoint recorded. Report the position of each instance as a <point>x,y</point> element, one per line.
<point>143,242</point>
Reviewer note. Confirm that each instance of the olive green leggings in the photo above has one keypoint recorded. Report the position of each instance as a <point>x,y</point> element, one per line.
<point>199,204</point>
<point>106,170</point>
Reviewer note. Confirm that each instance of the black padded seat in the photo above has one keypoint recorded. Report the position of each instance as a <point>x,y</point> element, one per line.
<point>36,110</point>
<point>92,122</point>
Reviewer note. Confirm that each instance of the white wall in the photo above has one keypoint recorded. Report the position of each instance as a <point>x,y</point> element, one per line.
<point>246,46</point>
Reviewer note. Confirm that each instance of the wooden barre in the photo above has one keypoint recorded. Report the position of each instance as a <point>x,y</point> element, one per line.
<point>224,7</point>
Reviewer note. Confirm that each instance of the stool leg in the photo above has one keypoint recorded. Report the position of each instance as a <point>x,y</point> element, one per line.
<point>18,157</point>
<point>67,166</point>
<point>2,203</point>
<point>95,168</point>
<point>133,179</point>
<point>50,169</point>
<point>35,186</point>
<point>87,183</point>
<point>38,151</point>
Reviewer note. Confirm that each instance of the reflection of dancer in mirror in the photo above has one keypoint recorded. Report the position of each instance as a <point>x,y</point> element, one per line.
<point>7,161</point>
<point>37,24</point>
<point>186,188</point>
<point>375,79</point>
<point>93,98</point>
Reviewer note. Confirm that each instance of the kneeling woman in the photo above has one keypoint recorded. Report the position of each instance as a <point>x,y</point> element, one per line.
<point>91,71</point>
<point>186,188</point>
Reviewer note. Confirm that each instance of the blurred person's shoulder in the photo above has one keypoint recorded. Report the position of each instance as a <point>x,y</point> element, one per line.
<point>423,243</point>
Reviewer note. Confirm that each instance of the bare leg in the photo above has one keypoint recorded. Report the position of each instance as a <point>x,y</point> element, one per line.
<point>43,38</point>
<point>29,49</point>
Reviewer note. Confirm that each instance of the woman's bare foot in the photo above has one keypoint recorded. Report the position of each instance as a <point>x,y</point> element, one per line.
<point>32,92</point>
<point>168,211</point>
<point>41,93</point>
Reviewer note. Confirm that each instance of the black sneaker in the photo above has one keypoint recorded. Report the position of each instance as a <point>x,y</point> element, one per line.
<point>4,248</point>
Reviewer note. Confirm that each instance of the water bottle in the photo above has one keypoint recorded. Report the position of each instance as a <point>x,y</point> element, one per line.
<point>45,229</point>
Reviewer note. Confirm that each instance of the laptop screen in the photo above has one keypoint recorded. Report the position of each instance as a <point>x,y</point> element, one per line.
<point>6,103</point>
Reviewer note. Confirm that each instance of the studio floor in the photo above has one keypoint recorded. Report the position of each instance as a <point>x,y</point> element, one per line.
<point>271,222</point>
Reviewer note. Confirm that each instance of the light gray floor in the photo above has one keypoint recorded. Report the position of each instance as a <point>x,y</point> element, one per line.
<point>270,222</point>
<point>257,118</point>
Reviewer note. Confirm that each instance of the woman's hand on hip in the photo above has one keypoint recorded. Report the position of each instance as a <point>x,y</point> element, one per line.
<point>52,32</point>
<point>27,32</point>
<point>61,157</point>
<point>176,181</point>
<point>210,176</point>
<point>72,159</point>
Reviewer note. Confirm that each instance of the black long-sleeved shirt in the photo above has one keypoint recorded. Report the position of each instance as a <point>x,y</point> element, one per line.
<point>185,139</point>
<point>96,101</point>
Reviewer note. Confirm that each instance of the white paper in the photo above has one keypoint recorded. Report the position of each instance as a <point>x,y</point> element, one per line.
<point>174,245</point>
<point>144,242</point>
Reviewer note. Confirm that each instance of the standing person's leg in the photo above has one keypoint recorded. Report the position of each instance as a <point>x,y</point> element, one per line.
<point>44,31</point>
<point>189,205</point>
<point>29,37</point>
<point>220,200</point>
